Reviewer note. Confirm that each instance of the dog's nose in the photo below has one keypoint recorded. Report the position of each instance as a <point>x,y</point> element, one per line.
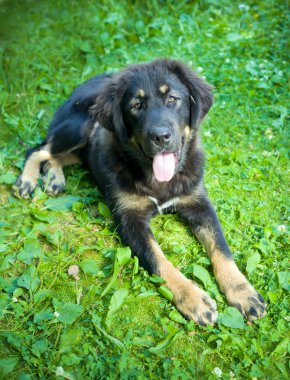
<point>160,136</point>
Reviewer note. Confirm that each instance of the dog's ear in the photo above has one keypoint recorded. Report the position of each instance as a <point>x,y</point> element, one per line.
<point>107,108</point>
<point>201,96</point>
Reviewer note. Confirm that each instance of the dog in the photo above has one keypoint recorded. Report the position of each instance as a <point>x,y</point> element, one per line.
<point>137,131</point>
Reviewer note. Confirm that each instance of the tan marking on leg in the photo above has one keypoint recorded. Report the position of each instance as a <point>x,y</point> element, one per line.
<point>190,300</point>
<point>164,88</point>
<point>206,237</point>
<point>190,200</point>
<point>55,180</point>
<point>128,201</point>
<point>68,159</point>
<point>237,289</point>
<point>27,181</point>
<point>31,169</point>
<point>226,272</point>
<point>141,93</point>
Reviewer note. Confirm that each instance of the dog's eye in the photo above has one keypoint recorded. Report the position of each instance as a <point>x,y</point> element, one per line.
<point>137,106</point>
<point>172,99</point>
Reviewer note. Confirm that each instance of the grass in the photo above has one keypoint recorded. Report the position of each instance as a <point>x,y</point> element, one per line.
<point>55,326</point>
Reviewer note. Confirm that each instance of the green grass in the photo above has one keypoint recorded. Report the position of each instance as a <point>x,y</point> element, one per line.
<point>53,326</point>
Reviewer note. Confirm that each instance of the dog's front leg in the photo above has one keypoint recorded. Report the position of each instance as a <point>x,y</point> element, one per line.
<point>237,289</point>
<point>132,213</point>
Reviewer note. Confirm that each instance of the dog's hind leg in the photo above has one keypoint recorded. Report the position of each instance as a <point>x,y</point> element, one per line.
<point>27,181</point>
<point>66,142</point>
<point>39,158</point>
<point>54,180</point>
<point>60,148</point>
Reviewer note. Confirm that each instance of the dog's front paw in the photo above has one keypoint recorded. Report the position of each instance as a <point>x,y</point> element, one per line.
<point>195,304</point>
<point>24,187</point>
<point>247,300</point>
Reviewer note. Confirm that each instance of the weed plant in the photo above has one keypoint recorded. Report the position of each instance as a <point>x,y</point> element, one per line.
<point>57,323</point>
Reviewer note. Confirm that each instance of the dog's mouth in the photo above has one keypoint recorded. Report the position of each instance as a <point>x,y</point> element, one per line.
<point>165,164</point>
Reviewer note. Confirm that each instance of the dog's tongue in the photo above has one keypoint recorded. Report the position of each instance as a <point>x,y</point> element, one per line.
<point>164,166</point>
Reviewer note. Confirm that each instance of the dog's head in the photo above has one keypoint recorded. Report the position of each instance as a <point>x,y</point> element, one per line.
<point>154,108</point>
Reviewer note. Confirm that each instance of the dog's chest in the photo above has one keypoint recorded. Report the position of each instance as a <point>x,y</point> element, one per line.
<point>165,207</point>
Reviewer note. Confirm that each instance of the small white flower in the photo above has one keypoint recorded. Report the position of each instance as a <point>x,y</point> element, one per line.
<point>199,69</point>
<point>56,314</point>
<point>73,270</point>
<point>280,73</point>
<point>208,133</point>
<point>232,374</point>
<point>265,153</point>
<point>244,7</point>
<point>287,318</point>
<point>227,60</point>
<point>14,299</point>
<point>59,371</point>
<point>282,228</point>
<point>270,137</point>
<point>217,372</point>
<point>268,131</point>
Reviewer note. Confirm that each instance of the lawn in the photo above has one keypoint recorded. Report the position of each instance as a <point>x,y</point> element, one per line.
<point>54,324</point>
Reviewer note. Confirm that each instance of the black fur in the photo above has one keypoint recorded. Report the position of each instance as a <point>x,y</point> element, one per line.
<point>117,124</point>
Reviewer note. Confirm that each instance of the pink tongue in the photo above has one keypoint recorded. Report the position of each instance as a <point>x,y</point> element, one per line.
<point>163,166</point>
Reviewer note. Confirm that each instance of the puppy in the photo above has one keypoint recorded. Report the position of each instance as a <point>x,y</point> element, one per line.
<point>137,131</point>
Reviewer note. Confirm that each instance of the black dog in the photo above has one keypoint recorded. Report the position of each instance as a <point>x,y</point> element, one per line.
<point>137,132</point>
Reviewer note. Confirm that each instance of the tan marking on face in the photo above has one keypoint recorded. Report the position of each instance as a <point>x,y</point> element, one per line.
<point>141,93</point>
<point>164,89</point>
<point>188,132</point>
